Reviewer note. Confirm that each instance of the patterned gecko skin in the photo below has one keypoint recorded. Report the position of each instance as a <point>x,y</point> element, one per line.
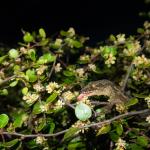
<point>103,87</point>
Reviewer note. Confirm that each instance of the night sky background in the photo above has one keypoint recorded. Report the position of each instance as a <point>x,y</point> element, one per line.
<point>94,18</point>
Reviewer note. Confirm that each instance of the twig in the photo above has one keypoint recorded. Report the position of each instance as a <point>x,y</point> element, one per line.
<point>129,71</point>
<point>8,79</point>
<point>117,117</point>
<point>127,76</point>
<point>99,103</point>
<point>52,69</point>
<point>111,145</point>
<point>35,135</point>
<point>86,126</point>
<point>66,103</point>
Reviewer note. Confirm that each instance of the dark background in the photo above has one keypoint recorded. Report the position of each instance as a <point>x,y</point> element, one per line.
<point>94,18</point>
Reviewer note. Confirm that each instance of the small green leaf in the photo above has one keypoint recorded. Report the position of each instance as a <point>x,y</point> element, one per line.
<point>37,108</point>
<point>32,54</point>
<point>46,58</point>
<point>83,111</point>
<point>32,144</point>
<point>140,30</point>
<point>139,95</point>
<point>119,129</point>
<point>68,73</point>
<point>41,125</point>
<point>77,44</point>
<point>109,49</point>
<point>114,137</point>
<point>2,58</point>
<point>44,42</point>
<point>4,92</point>
<point>64,33</point>
<point>13,53</point>
<point>103,130</point>
<point>24,90</point>
<point>52,97</point>
<point>42,33</point>
<point>13,84</point>
<point>76,144</point>
<point>132,102</point>
<point>52,127</point>
<point>16,68</point>
<point>112,38</point>
<point>70,133</point>
<point>134,147</point>
<point>28,37</point>
<point>3,120</point>
<point>30,74</point>
<point>10,143</point>
<point>19,120</point>
<point>142,141</point>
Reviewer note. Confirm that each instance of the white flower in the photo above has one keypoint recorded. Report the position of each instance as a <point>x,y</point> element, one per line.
<point>92,67</point>
<point>139,75</point>
<point>148,100</point>
<point>58,67</point>
<point>80,124</point>
<point>71,32</point>
<point>40,140</point>
<point>38,87</point>
<point>132,49</point>
<point>141,60</point>
<point>59,104</point>
<point>44,108</point>
<point>41,69</point>
<point>23,50</point>
<point>120,39</point>
<point>68,95</point>
<point>148,119</point>
<point>5,63</point>
<point>51,87</point>
<point>96,51</point>
<point>84,57</point>
<point>80,72</point>
<point>121,144</point>
<point>31,98</point>
<point>58,42</point>
<point>146,24</point>
<point>110,59</point>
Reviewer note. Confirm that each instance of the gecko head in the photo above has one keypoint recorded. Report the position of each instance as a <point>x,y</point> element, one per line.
<point>90,90</point>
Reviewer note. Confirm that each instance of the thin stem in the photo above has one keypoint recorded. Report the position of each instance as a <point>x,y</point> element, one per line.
<point>117,117</point>
<point>127,76</point>
<point>52,69</point>
<point>99,103</point>
<point>129,71</point>
<point>109,121</point>
<point>66,103</point>
<point>8,79</point>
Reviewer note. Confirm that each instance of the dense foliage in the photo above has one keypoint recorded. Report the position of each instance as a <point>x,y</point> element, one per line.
<point>41,79</point>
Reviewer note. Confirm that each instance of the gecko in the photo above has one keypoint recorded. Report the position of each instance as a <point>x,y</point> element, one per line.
<point>106,88</point>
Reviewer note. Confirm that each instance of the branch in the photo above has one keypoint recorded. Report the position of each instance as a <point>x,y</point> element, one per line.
<point>127,76</point>
<point>7,79</point>
<point>86,126</point>
<point>118,117</point>
<point>66,103</point>
<point>52,69</point>
<point>99,103</point>
<point>34,135</point>
<point>129,71</point>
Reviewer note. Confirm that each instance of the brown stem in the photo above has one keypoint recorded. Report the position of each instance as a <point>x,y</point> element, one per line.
<point>109,121</point>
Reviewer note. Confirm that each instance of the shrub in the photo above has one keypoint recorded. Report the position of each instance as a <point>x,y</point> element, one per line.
<point>40,84</point>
